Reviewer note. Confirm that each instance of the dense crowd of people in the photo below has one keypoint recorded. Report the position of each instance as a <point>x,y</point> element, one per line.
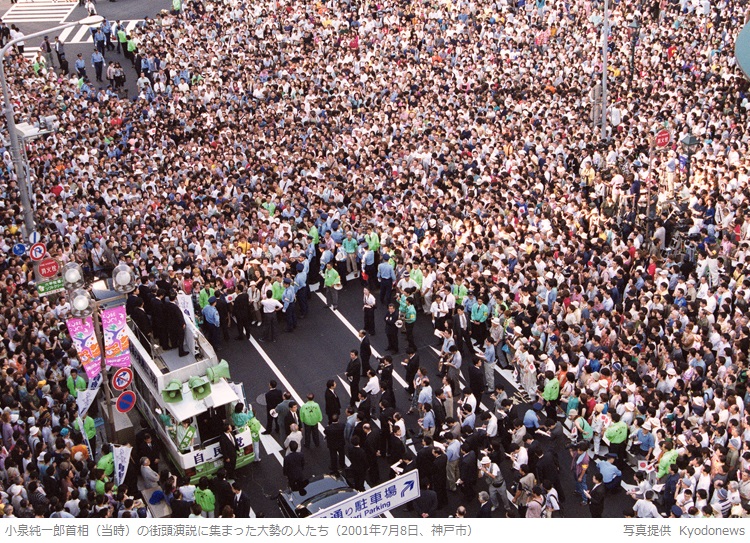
<point>447,155</point>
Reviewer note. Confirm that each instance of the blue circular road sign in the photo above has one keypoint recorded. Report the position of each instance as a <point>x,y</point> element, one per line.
<point>125,401</point>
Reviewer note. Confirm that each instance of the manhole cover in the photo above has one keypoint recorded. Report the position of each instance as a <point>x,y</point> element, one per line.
<point>261,399</point>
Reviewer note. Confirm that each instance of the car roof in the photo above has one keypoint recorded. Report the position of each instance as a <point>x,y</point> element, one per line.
<point>319,494</point>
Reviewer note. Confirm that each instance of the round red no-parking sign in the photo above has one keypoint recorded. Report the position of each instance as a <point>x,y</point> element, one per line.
<point>125,401</point>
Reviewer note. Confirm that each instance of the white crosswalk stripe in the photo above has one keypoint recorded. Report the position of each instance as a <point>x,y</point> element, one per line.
<point>76,34</point>
<point>39,12</point>
<point>83,34</point>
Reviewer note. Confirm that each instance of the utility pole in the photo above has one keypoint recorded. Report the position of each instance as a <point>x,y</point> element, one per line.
<point>16,153</point>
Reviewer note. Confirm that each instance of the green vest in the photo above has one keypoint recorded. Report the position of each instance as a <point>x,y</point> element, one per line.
<point>373,241</point>
<point>410,315</point>
<point>75,387</point>
<point>331,277</point>
<point>418,277</point>
<point>203,297</point>
<point>255,427</point>
<point>107,463</point>
<point>310,414</point>
<point>617,433</point>
<point>89,427</point>
<point>479,312</point>
<point>122,36</point>
<point>278,290</point>
<point>314,234</point>
<point>551,390</point>
<point>206,499</point>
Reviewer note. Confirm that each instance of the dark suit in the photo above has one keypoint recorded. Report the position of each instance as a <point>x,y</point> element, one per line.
<point>391,331</point>
<point>353,371</point>
<point>598,493</point>
<point>386,377</point>
<point>175,326</point>
<point>241,506</point>
<point>396,449</point>
<point>149,450</point>
<point>371,447</point>
<point>365,406</point>
<point>180,509</point>
<point>223,492</point>
<point>336,442</point>
<point>461,335</point>
<point>223,308</point>
<point>438,408</point>
<point>143,323</point>
<point>294,469</point>
<point>386,415</point>
<point>365,352</point>
<point>412,365</point>
<point>425,459</point>
<point>242,314</point>
<point>333,404</point>
<point>159,323</point>
<point>273,398</point>
<point>291,418</point>
<point>388,396</point>
<point>228,452</point>
<point>546,470</point>
<point>467,469</point>
<point>358,467</point>
<point>485,511</point>
<point>427,503</point>
<point>476,382</point>
<point>439,479</point>
<point>51,485</point>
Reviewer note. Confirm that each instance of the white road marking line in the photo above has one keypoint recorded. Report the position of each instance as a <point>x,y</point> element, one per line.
<point>65,33</point>
<point>290,389</point>
<point>354,331</point>
<point>53,12</point>
<point>80,35</point>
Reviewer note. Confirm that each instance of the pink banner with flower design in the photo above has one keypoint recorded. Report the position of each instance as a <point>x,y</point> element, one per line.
<point>116,341</point>
<point>86,345</point>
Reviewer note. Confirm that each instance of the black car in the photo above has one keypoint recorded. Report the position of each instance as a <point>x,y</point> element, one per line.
<point>320,493</point>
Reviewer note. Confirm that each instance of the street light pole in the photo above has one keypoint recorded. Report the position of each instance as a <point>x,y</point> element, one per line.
<point>605,36</point>
<point>15,144</point>
<point>635,28</point>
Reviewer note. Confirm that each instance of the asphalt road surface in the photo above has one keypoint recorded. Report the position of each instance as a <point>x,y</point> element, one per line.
<point>318,350</point>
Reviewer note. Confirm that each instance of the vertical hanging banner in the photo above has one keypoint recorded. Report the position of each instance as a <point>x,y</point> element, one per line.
<point>85,399</point>
<point>121,456</point>
<point>87,347</point>
<point>185,303</point>
<point>116,341</point>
